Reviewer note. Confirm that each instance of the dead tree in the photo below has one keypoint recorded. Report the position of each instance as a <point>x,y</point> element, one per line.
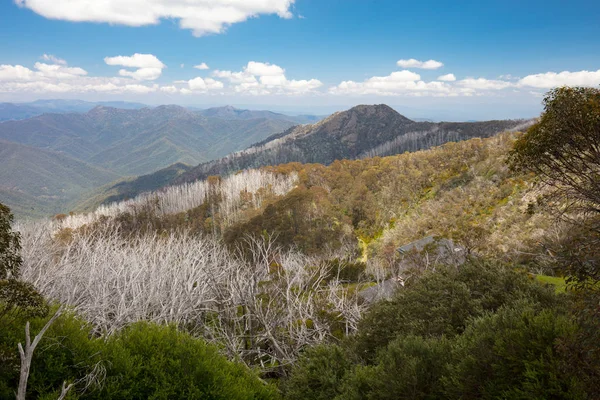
<point>27,355</point>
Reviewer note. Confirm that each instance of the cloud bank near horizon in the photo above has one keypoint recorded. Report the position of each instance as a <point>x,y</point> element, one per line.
<point>140,74</point>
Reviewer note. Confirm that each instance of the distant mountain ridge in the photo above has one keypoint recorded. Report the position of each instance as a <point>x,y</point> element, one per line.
<point>18,111</point>
<point>122,142</point>
<point>47,185</point>
<point>230,112</point>
<point>362,131</point>
<point>138,141</point>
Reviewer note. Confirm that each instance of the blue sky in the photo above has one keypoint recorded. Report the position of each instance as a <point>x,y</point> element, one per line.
<point>488,59</point>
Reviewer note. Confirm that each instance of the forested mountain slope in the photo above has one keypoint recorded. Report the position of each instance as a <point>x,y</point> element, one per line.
<point>372,205</point>
<point>115,143</point>
<point>39,183</point>
<point>139,141</point>
<point>363,131</point>
<point>17,111</point>
<point>287,247</point>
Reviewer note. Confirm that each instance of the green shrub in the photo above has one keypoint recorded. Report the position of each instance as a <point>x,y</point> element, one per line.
<point>512,354</point>
<point>442,302</point>
<point>144,361</point>
<point>408,368</point>
<point>318,374</point>
<point>149,361</point>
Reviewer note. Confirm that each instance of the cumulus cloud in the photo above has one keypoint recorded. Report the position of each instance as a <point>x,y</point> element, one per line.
<point>447,78</point>
<point>135,61</point>
<point>399,83</point>
<point>201,66</point>
<point>59,78</point>
<point>412,63</point>
<point>53,59</point>
<point>149,67</point>
<point>201,16</point>
<point>59,71</point>
<point>55,75</point>
<point>15,73</point>
<point>264,69</point>
<point>204,84</point>
<point>484,84</point>
<point>42,72</point>
<point>552,79</point>
<point>259,78</point>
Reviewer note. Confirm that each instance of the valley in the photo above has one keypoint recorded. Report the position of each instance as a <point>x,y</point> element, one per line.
<point>106,144</point>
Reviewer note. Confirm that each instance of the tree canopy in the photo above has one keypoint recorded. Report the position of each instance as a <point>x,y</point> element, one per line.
<point>563,148</point>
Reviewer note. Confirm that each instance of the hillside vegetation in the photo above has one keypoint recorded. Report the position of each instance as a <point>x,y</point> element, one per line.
<point>381,202</point>
<point>363,131</point>
<point>295,270</point>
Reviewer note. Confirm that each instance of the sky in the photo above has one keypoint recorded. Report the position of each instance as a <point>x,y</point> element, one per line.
<point>452,60</point>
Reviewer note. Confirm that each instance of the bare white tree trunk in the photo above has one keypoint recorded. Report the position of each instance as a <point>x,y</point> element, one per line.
<point>27,354</point>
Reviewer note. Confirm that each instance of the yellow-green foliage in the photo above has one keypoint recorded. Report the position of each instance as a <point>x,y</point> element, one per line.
<point>559,283</point>
<point>463,190</point>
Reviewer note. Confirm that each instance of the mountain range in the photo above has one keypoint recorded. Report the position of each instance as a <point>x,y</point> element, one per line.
<point>363,131</point>
<point>108,144</point>
<point>16,111</point>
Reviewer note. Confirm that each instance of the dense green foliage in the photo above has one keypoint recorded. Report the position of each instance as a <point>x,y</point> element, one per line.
<point>479,331</point>
<point>442,303</point>
<point>143,361</point>
<point>10,257</point>
<point>16,296</point>
<point>563,150</point>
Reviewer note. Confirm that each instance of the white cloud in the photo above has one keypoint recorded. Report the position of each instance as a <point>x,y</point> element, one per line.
<point>303,86</point>
<point>142,74</point>
<point>204,84</point>
<point>149,67</point>
<point>201,16</point>
<point>53,59</point>
<point>552,79</point>
<point>201,66</point>
<point>399,83</point>
<point>412,63</point>
<point>15,73</point>
<point>262,78</point>
<point>264,69</point>
<point>258,78</point>
<point>447,78</point>
<point>59,71</point>
<point>484,84</point>
<point>508,77</point>
<point>59,78</point>
<point>135,61</point>
<point>235,77</point>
